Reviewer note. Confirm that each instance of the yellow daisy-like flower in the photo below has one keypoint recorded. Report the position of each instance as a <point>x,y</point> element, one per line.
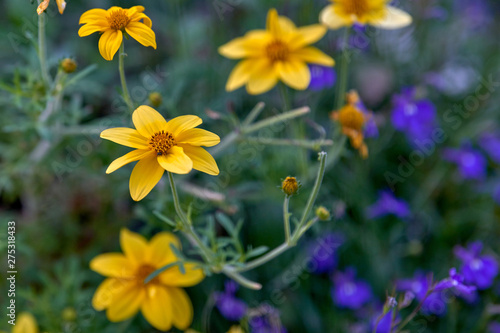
<point>160,145</point>
<point>61,4</point>
<point>281,52</point>
<point>113,23</point>
<point>25,323</point>
<point>373,12</point>
<point>162,300</point>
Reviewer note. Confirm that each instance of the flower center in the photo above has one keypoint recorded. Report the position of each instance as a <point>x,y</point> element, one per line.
<point>118,19</point>
<point>143,272</point>
<point>277,51</point>
<point>350,117</point>
<point>161,142</point>
<point>356,7</point>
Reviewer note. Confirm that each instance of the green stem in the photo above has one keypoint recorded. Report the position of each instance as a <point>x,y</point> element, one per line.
<point>265,258</point>
<point>284,97</point>
<point>343,71</point>
<point>42,51</point>
<point>121,69</point>
<point>286,218</point>
<point>414,312</point>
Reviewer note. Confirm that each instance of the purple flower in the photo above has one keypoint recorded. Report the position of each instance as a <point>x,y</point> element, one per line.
<point>477,270</point>
<point>490,143</point>
<point>417,119</point>
<point>266,320</point>
<point>471,163</point>
<point>455,283</point>
<point>384,325</point>
<point>494,327</point>
<point>322,253</point>
<point>229,306</point>
<point>348,292</point>
<point>322,77</point>
<point>388,204</point>
<point>419,286</point>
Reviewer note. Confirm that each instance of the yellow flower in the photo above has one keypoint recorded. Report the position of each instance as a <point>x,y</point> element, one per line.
<point>160,145</point>
<point>113,23</point>
<point>162,301</point>
<point>61,4</point>
<point>280,52</point>
<point>374,12</point>
<point>236,329</point>
<point>25,323</point>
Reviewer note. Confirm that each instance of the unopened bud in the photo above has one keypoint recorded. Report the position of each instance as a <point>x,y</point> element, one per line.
<point>322,213</point>
<point>155,99</point>
<point>69,314</point>
<point>68,65</point>
<point>290,186</point>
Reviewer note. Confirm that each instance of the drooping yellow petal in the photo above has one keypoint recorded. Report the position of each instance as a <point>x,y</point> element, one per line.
<point>176,161</point>
<point>202,160</point>
<point>141,33</point>
<point>308,35</point>
<point>134,246</point>
<point>179,124</point>
<point>25,323</point>
<point>173,276</point>
<point>240,74</point>
<point>141,16</point>
<point>294,73</point>
<point>135,9</point>
<point>331,19</point>
<point>89,29</point>
<point>109,43</point>
<point>107,290</point>
<point>90,16</point>
<point>126,303</point>
<point>125,136</point>
<point>198,137</point>
<point>395,18</point>
<point>148,121</point>
<point>113,265</point>
<point>132,156</point>
<point>61,5</point>
<point>272,22</point>
<point>157,307</point>
<point>182,309</point>
<point>263,78</point>
<point>313,55</point>
<point>160,251</point>
<point>146,174</point>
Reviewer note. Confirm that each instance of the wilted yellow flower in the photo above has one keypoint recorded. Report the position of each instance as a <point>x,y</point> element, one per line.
<point>352,120</point>
<point>61,4</point>
<point>25,323</point>
<point>162,300</point>
<point>160,145</point>
<point>113,23</point>
<point>280,52</point>
<point>373,12</point>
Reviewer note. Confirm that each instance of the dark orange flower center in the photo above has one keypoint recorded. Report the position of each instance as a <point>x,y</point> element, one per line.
<point>118,19</point>
<point>350,117</point>
<point>143,272</point>
<point>277,51</point>
<point>356,7</point>
<point>161,142</point>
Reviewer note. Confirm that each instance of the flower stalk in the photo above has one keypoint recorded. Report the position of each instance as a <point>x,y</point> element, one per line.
<point>121,69</point>
<point>42,48</point>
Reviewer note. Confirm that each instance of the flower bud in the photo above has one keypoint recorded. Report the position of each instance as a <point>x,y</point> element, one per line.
<point>290,186</point>
<point>68,65</point>
<point>322,213</point>
<point>155,99</point>
<point>69,314</point>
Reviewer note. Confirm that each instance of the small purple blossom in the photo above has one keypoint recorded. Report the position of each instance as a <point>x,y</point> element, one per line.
<point>416,118</point>
<point>347,292</point>
<point>322,252</point>
<point>419,286</point>
<point>229,306</point>
<point>384,325</point>
<point>490,143</point>
<point>455,283</point>
<point>388,204</point>
<point>322,77</point>
<point>266,319</point>
<point>494,327</point>
<point>471,163</point>
<point>477,270</point>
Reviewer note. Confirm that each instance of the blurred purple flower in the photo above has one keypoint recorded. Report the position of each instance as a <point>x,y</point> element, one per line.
<point>359,39</point>
<point>494,327</point>
<point>322,77</point>
<point>266,321</point>
<point>475,13</point>
<point>322,252</point>
<point>490,143</point>
<point>471,163</point>
<point>370,129</point>
<point>388,204</point>
<point>419,286</point>
<point>477,270</point>
<point>417,119</point>
<point>455,283</point>
<point>347,292</point>
<point>384,325</point>
<point>229,306</point>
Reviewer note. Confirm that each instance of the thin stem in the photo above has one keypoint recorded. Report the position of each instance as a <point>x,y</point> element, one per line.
<point>241,279</point>
<point>121,69</point>
<point>284,97</point>
<point>286,218</point>
<point>264,259</point>
<point>276,119</point>
<point>414,312</point>
<point>42,51</point>
<point>343,71</point>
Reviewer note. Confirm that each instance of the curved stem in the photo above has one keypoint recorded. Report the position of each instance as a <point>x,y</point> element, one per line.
<point>121,69</point>
<point>42,51</point>
<point>286,218</point>
<point>264,259</point>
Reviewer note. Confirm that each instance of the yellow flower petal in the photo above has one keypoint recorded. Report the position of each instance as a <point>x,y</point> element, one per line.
<point>173,276</point>
<point>263,78</point>
<point>198,137</point>
<point>286,25</point>
<point>135,9</point>
<point>25,323</point>
<point>331,19</point>
<point>148,121</point>
<point>240,75</point>
<point>141,16</point>
<point>106,291</point>
<point>141,33</point>
<point>395,18</point>
<point>125,136</point>
<point>126,303</point>
<point>313,55</point>
<point>61,5</point>
<point>134,245</point>
<point>308,35</point>
<point>179,124</point>
<point>113,265</point>
<point>159,250</point>
<point>146,174</point>
<point>182,309</point>
<point>157,308</point>
<point>133,156</point>
<point>295,74</point>
<point>89,29</point>
<point>272,22</point>
<point>176,161</point>
<point>90,16</point>
<point>202,160</point>
<point>109,43</point>
<point>251,45</point>
<point>42,6</point>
